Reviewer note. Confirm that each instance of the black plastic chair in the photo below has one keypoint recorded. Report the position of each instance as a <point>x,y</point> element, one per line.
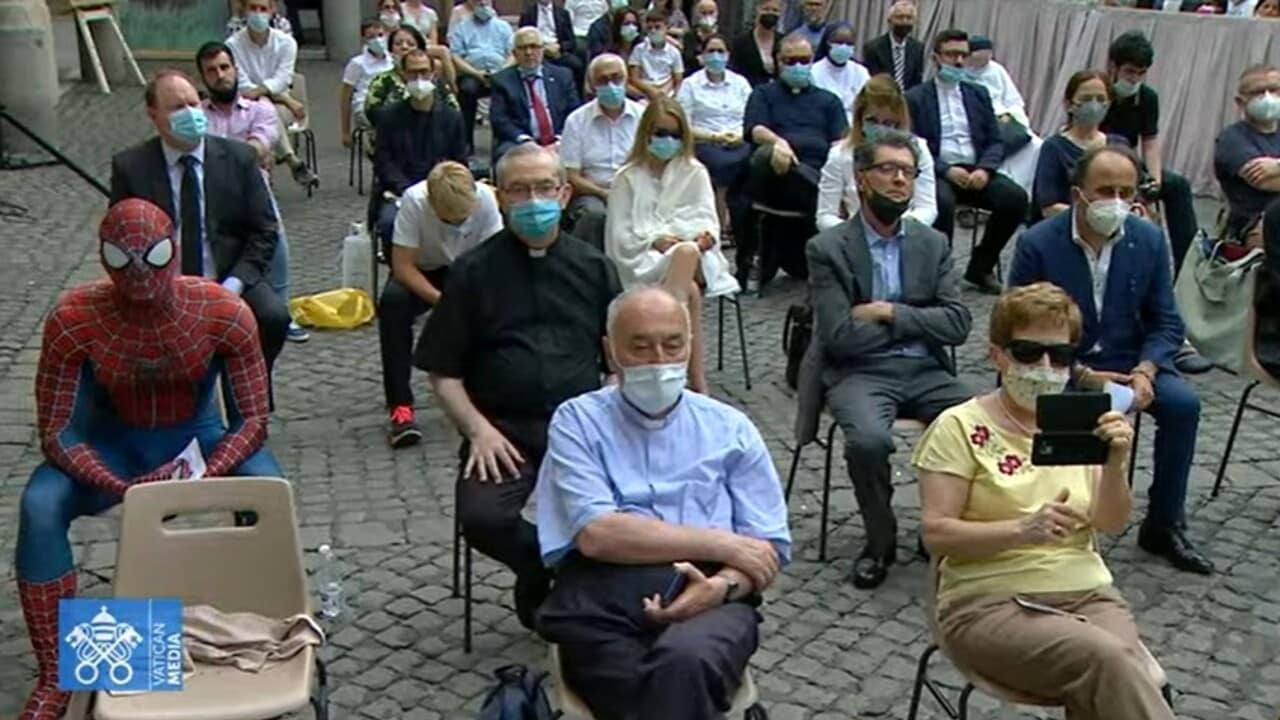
<point>355,160</point>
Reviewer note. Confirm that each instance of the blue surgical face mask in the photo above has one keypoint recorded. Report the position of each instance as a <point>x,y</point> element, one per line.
<point>611,95</point>
<point>657,38</point>
<point>716,61</point>
<point>950,74</point>
<point>189,124</point>
<point>840,53</point>
<point>257,21</point>
<point>534,218</point>
<point>797,76</point>
<point>483,13</point>
<point>629,32</point>
<point>1089,113</point>
<point>654,389</point>
<point>1125,89</point>
<point>376,45</point>
<point>664,148</point>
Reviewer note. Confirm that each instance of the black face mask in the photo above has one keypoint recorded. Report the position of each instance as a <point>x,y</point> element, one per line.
<point>224,97</point>
<point>769,20</point>
<point>901,32</point>
<point>886,209</point>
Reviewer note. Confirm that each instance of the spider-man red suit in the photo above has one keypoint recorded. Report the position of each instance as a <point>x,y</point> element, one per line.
<point>125,382</point>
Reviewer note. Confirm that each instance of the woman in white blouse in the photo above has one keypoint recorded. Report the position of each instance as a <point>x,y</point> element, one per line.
<point>416,14</point>
<point>715,100</point>
<point>879,105</point>
<point>662,226</point>
<point>837,71</point>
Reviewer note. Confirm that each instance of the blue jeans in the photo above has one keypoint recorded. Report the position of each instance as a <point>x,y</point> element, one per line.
<point>52,499</point>
<point>280,261</point>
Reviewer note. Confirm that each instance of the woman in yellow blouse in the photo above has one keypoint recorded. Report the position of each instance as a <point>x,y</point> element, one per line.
<point>1024,598</point>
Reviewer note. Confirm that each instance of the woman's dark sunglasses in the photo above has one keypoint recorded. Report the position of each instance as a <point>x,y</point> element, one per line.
<point>663,133</point>
<point>1028,352</point>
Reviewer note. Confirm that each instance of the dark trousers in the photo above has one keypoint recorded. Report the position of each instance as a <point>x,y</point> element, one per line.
<point>272,315</point>
<point>387,211</point>
<point>490,512</point>
<point>1008,205</point>
<point>622,665</point>
<point>587,215</point>
<point>1179,213</point>
<point>794,191</point>
<point>398,308</point>
<point>574,64</point>
<point>865,403</point>
<point>470,90</point>
<point>727,167</point>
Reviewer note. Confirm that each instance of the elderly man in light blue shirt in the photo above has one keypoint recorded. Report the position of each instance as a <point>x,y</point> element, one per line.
<point>481,45</point>
<point>662,513</point>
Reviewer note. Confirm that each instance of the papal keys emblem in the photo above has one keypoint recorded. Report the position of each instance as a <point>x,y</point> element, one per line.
<point>101,641</point>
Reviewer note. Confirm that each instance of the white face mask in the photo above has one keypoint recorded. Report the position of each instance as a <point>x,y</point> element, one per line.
<point>1264,108</point>
<point>420,89</point>
<point>1024,383</point>
<point>654,389</point>
<point>1106,216</point>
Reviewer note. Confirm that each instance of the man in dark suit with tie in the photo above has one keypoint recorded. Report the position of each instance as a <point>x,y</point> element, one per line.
<point>555,27</point>
<point>213,191</point>
<point>531,99</point>
<point>896,53</point>
<point>958,122</point>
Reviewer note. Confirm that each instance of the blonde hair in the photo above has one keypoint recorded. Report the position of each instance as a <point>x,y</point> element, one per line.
<point>663,105</point>
<point>451,189</point>
<point>880,91</point>
<point>1041,303</point>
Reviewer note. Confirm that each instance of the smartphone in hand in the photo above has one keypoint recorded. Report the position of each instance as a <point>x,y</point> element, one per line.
<point>674,588</point>
<point>1067,421</point>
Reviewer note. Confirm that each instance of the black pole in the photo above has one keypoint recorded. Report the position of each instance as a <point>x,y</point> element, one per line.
<point>63,159</point>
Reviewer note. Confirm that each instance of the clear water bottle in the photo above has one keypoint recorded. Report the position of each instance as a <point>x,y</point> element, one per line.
<point>357,259</point>
<point>329,583</point>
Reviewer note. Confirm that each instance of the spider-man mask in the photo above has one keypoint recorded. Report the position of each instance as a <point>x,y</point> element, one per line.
<point>139,251</point>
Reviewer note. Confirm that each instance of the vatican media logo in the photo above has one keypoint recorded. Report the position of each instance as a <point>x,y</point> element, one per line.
<point>119,644</point>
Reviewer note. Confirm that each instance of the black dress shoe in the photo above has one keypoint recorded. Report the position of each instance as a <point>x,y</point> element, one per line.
<point>1172,544</point>
<point>870,571</point>
<point>985,283</point>
<point>1190,362</point>
<point>530,591</point>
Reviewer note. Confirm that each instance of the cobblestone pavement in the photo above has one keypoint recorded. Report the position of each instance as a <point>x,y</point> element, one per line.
<point>828,651</point>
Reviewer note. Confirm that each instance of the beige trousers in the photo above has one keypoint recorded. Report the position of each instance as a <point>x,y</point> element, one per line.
<point>1088,657</point>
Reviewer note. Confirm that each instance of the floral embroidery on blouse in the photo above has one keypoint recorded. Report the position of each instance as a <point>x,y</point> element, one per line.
<point>990,445</point>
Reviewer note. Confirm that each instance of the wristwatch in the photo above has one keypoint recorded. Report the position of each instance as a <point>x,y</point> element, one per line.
<point>730,587</point>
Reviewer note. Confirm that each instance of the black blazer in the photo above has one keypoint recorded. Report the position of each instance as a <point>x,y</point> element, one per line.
<point>564,25</point>
<point>744,58</point>
<point>240,223</point>
<point>877,56</point>
<point>402,156</point>
<point>509,104</point>
<point>984,130</point>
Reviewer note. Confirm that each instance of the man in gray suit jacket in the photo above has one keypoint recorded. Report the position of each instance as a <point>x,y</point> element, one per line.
<point>225,223</point>
<point>886,307</point>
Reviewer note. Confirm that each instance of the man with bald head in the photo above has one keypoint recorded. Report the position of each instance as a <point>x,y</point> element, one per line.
<point>532,98</point>
<point>595,143</point>
<point>212,190</point>
<point>661,512</point>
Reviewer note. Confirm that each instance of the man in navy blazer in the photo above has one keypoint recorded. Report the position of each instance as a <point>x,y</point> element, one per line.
<point>957,120</point>
<point>555,27</point>
<point>531,99</point>
<point>1116,268</point>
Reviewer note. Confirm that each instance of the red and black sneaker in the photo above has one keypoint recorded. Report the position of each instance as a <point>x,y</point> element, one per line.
<point>403,430</point>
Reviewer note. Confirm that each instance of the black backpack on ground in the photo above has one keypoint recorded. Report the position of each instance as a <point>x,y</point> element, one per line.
<point>519,695</point>
<point>797,329</point>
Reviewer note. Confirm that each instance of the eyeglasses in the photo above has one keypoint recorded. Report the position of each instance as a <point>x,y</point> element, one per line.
<point>1028,352</point>
<point>891,169</point>
<point>518,192</point>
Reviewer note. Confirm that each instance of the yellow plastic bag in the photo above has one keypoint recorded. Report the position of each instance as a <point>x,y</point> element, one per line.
<point>340,309</point>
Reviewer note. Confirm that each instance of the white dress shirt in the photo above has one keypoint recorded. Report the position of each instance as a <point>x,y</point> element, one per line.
<point>269,65</point>
<point>844,82</point>
<point>438,243</point>
<point>585,12</point>
<point>1005,96</point>
<point>173,161</point>
<point>1099,266</point>
<point>1244,8</point>
<point>546,21</point>
<point>597,145</point>
<point>956,146</point>
<point>836,186</point>
<point>715,106</point>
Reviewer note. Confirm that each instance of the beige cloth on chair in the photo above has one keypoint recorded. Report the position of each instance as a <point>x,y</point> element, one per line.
<point>249,641</point>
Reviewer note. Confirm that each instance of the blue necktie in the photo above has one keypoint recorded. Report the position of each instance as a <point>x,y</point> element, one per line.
<point>192,224</point>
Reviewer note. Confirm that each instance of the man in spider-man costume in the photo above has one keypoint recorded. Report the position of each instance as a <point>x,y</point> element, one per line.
<point>125,382</point>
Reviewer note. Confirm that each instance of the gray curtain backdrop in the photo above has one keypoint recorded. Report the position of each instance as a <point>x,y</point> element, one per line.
<point>1198,60</point>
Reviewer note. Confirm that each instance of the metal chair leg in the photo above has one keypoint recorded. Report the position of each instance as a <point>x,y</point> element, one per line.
<point>466,605</point>
<point>791,474</point>
<point>742,342</point>
<point>457,550</point>
<point>964,702</point>
<point>351,159</point>
<point>1133,448</point>
<point>720,335</point>
<point>826,494</point>
<point>922,671</point>
<point>1231,437</point>
<point>320,700</point>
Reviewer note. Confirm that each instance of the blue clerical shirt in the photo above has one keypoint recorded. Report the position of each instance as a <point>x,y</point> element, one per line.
<point>704,465</point>
<point>886,278</point>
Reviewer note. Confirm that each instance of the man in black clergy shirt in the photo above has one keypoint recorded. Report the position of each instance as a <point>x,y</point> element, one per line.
<point>518,332</point>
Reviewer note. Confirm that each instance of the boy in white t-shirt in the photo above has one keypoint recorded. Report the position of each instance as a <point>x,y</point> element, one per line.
<point>656,67</point>
<point>362,68</point>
